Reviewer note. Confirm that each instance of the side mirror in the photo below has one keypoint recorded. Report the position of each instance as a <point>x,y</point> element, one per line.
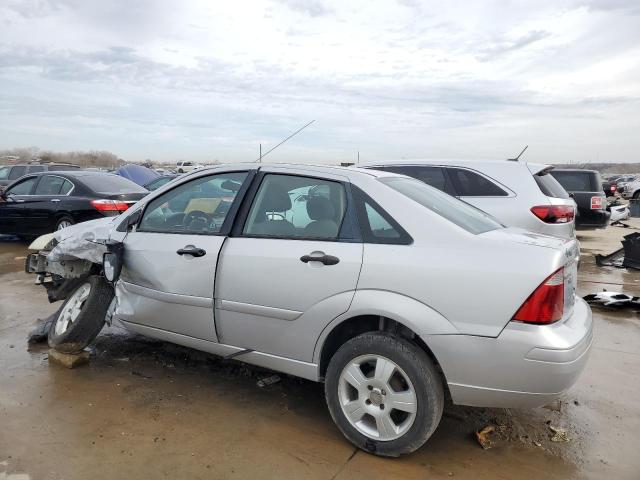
<point>112,261</point>
<point>134,218</point>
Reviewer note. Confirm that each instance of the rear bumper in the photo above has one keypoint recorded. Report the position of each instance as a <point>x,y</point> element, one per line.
<point>525,366</point>
<point>592,218</point>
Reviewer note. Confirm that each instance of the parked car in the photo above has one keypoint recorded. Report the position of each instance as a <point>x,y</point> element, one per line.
<point>43,202</point>
<point>9,173</point>
<point>623,181</point>
<point>348,276</point>
<point>610,187</point>
<point>516,193</point>
<point>631,190</point>
<point>186,167</point>
<point>585,188</point>
<point>161,181</point>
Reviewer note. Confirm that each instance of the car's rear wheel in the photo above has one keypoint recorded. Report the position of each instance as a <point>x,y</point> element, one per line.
<point>384,393</point>
<point>81,316</point>
<point>64,222</point>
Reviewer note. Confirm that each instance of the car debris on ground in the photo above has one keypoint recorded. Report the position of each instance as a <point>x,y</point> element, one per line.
<point>270,380</point>
<point>482,436</point>
<point>559,434</point>
<point>626,257</point>
<point>612,299</point>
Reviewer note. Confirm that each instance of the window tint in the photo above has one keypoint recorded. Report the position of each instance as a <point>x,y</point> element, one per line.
<point>17,172</point>
<point>433,176</point>
<point>199,206</point>
<point>36,168</point>
<point>376,225</point>
<point>23,188</point>
<point>108,184</point>
<point>578,181</point>
<point>461,213</point>
<point>471,184</point>
<point>550,186</point>
<point>4,172</point>
<point>289,206</point>
<point>49,185</point>
<point>67,186</point>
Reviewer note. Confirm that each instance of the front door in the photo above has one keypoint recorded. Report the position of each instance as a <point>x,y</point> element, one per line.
<point>13,214</point>
<point>170,259</point>
<point>290,269</point>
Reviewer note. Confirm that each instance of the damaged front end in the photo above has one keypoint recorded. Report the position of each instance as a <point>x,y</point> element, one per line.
<point>64,258</point>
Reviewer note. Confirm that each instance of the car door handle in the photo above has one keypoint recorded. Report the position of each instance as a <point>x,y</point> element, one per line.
<point>193,251</point>
<point>55,200</point>
<point>325,259</point>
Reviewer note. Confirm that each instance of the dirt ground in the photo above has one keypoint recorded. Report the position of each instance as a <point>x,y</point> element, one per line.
<point>146,409</point>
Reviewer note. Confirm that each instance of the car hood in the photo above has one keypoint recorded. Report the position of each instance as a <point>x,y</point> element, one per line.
<point>84,240</point>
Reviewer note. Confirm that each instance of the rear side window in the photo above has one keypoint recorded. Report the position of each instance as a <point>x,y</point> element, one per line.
<point>49,185</point>
<point>472,184</point>
<point>109,184</point>
<point>376,225</point>
<point>550,186</point>
<point>17,172</point>
<point>578,181</point>
<point>456,211</point>
<point>36,168</point>
<point>63,167</point>
<point>433,176</point>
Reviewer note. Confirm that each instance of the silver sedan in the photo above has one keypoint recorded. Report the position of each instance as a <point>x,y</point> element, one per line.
<point>388,290</point>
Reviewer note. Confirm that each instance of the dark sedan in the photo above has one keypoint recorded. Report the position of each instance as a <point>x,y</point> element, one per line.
<point>41,203</point>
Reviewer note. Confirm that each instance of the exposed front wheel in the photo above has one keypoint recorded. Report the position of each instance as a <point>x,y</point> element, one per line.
<point>81,316</point>
<point>384,393</point>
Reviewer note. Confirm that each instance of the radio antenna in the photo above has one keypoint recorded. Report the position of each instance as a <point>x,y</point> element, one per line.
<point>518,157</point>
<point>259,160</point>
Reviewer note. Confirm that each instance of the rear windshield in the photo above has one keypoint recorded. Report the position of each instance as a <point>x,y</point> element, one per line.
<point>111,184</point>
<point>578,181</point>
<point>456,211</point>
<point>550,186</point>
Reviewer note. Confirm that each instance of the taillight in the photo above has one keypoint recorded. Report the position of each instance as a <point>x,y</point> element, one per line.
<point>546,303</point>
<point>554,213</point>
<point>596,203</point>
<point>613,189</point>
<point>109,205</point>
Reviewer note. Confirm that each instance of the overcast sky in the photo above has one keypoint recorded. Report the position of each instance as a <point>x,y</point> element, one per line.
<point>207,80</point>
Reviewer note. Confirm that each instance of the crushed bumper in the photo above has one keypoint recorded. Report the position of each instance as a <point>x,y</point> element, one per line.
<point>525,366</point>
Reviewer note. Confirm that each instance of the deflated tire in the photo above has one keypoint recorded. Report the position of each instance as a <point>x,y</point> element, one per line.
<point>81,316</point>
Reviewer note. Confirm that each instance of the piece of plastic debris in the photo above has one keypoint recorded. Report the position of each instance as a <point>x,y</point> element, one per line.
<point>264,382</point>
<point>559,434</point>
<point>627,256</point>
<point>40,333</point>
<point>482,436</point>
<point>612,299</point>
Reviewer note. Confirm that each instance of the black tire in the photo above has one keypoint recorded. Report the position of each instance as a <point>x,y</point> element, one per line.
<point>87,325</point>
<point>64,218</point>
<point>423,375</point>
<point>180,170</point>
<point>636,195</point>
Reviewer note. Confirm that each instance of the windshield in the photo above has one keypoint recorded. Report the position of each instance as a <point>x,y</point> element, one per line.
<point>4,172</point>
<point>456,211</point>
<point>109,184</point>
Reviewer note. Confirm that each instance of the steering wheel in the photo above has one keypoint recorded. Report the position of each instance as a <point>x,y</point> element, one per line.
<point>195,216</point>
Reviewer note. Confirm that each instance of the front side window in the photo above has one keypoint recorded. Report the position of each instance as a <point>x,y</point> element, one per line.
<point>17,172</point>
<point>456,211</point>
<point>49,185</point>
<point>472,184</point>
<point>199,206</point>
<point>289,206</point>
<point>23,188</point>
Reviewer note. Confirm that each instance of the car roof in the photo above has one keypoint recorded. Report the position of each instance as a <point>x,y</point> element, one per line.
<point>318,168</point>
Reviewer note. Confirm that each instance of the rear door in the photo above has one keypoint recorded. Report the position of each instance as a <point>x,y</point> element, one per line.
<point>291,266</point>
<point>170,260</point>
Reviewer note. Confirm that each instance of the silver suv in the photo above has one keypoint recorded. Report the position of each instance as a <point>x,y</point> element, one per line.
<point>388,290</point>
<point>10,173</point>
<point>518,194</point>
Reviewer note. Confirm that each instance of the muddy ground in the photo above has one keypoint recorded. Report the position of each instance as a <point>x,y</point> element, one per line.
<point>147,409</point>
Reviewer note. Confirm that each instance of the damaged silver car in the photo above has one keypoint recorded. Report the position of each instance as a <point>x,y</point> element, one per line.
<point>387,290</point>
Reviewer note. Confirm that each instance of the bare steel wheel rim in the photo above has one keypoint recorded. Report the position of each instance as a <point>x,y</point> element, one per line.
<point>64,224</point>
<point>72,309</point>
<point>377,397</point>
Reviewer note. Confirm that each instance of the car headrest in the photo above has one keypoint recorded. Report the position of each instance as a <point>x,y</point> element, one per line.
<point>320,208</point>
<point>276,199</point>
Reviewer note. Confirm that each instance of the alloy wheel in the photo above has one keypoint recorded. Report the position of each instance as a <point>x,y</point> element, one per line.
<point>72,309</point>
<point>377,397</point>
